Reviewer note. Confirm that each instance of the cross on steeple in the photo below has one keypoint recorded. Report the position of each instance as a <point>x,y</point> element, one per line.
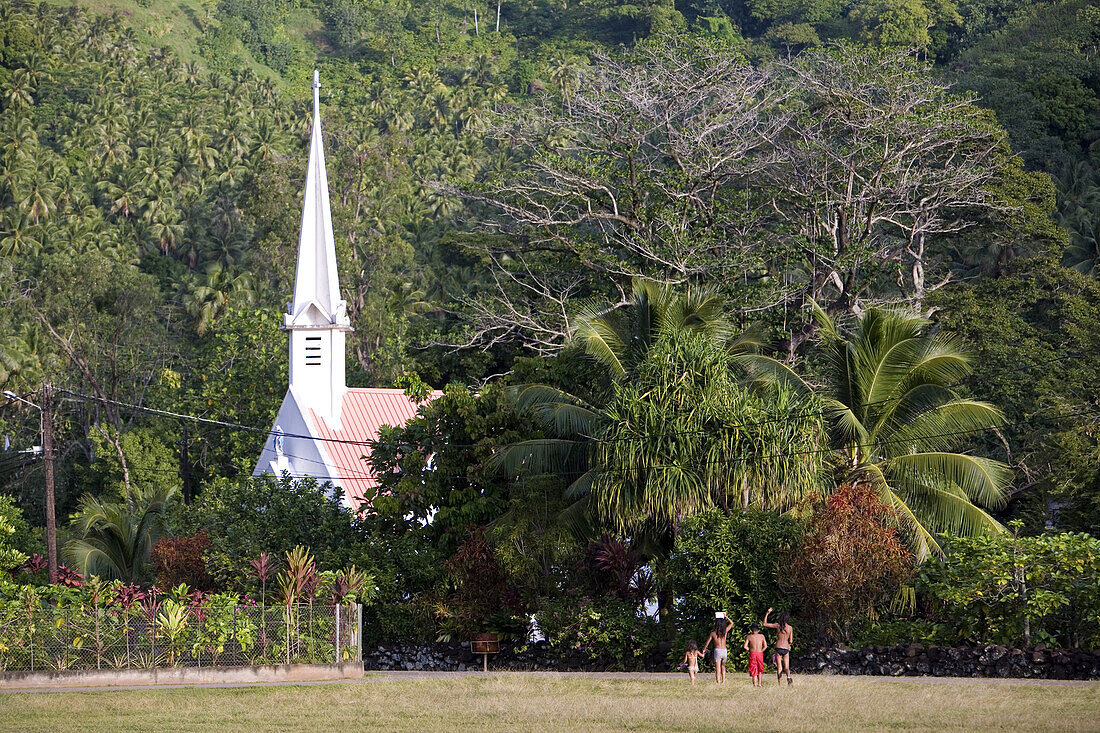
<point>316,94</point>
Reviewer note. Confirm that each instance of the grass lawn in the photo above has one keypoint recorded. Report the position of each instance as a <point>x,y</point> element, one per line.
<point>539,702</point>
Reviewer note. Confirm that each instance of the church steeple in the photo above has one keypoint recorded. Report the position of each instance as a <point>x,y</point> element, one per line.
<point>317,319</point>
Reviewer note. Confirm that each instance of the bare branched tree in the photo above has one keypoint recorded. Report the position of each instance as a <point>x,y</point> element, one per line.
<point>826,178</point>
<point>880,159</point>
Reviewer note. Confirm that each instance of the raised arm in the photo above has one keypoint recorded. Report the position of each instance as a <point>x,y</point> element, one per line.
<point>769,625</point>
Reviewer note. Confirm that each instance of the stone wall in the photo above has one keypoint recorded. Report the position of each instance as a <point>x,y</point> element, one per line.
<point>981,661</point>
<point>909,660</point>
<point>536,656</point>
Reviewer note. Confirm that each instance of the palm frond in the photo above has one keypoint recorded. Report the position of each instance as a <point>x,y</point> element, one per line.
<point>940,427</point>
<point>945,509</point>
<point>541,456</point>
<point>982,480</point>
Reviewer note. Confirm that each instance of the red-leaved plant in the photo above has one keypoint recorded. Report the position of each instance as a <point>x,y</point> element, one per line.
<point>68,577</point>
<point>264,567</point>
<point>851,562</point>
<point>34,564</point>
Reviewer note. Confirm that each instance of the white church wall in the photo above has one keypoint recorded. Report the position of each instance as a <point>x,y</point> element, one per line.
<point>301,456</point>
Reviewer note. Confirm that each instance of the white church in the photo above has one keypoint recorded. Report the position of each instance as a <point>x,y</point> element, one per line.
<point>322,427</point>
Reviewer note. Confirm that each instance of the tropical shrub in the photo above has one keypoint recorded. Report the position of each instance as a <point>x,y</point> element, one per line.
<point>896,422</point>
<point>113,539</point>
<point>851,562</point>
<point>605,630</point>
<point>729,562</point>
<point>178,560</point>
<point>483,596</point>
<point>17,542</point>
<point>108,624</point>
<point>245,517</point>
<point>1017,590</point>
<point>10,556</point>
<point>407,570</point>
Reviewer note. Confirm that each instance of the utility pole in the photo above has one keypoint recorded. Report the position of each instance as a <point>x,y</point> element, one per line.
<point>45,412</point>
<point>47,453</point>
<point>185,468</point>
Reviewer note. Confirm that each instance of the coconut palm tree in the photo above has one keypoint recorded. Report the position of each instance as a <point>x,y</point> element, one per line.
<point>114,539</point>
<point>895,422</point>
<point>1083,253</point>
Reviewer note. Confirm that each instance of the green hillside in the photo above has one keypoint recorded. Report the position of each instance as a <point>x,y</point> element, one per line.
<point>710,288</point>
<point>669,187</point>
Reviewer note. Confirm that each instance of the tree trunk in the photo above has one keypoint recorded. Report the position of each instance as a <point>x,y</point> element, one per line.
<point>664,610</point>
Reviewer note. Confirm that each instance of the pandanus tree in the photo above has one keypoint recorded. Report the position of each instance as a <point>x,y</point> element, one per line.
<point>683,427</point>
<point>896,420</point>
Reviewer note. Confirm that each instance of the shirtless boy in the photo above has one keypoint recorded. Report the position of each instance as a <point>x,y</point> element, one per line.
<point>755,644</point>
<point>784,637</point>
<point>722,626</point>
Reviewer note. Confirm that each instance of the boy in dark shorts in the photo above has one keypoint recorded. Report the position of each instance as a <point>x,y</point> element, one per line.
<point>784,637</point>
<point>755,644</point>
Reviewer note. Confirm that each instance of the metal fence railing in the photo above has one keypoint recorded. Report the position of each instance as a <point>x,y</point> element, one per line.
<point>178,635</point>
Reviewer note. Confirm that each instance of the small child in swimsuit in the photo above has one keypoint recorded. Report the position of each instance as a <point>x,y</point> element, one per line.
<point>755,644</point>
<point>691,659</point>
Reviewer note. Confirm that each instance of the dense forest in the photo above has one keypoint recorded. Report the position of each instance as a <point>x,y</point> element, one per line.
<point>522,186</point>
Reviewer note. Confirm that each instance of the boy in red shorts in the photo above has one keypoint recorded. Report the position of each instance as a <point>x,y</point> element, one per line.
<point>755,644</point>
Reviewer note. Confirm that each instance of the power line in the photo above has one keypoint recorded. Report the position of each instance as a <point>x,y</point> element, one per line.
<point>915,439</point>
<point>786,417</point>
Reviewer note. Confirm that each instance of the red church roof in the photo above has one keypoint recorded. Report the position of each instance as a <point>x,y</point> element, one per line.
<point>364,411</point>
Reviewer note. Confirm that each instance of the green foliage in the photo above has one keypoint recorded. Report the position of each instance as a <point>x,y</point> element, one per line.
<point>151,461</point>
<point>1018,590</point>
<point>239,375</point>
<point>682,435</point>
<point>113,540</point>
<point>906,23</point>
<point>244,517</point>
<point>435,467</point>
<point>1034,336</point>
<point>682,429</point>
<point>731,562</point>
<point>895,421</point>
<point>12,526</point>
<point>408,572</point>
<point>1037,71</point>
<point>16,538</point>
<point>608,630</point>
<point>108,625</point>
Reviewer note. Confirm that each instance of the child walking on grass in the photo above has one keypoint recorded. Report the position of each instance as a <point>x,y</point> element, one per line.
<point>691,659</point>
<point>755,644</point>
<point>722,626</point>
<point>784,638</point>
